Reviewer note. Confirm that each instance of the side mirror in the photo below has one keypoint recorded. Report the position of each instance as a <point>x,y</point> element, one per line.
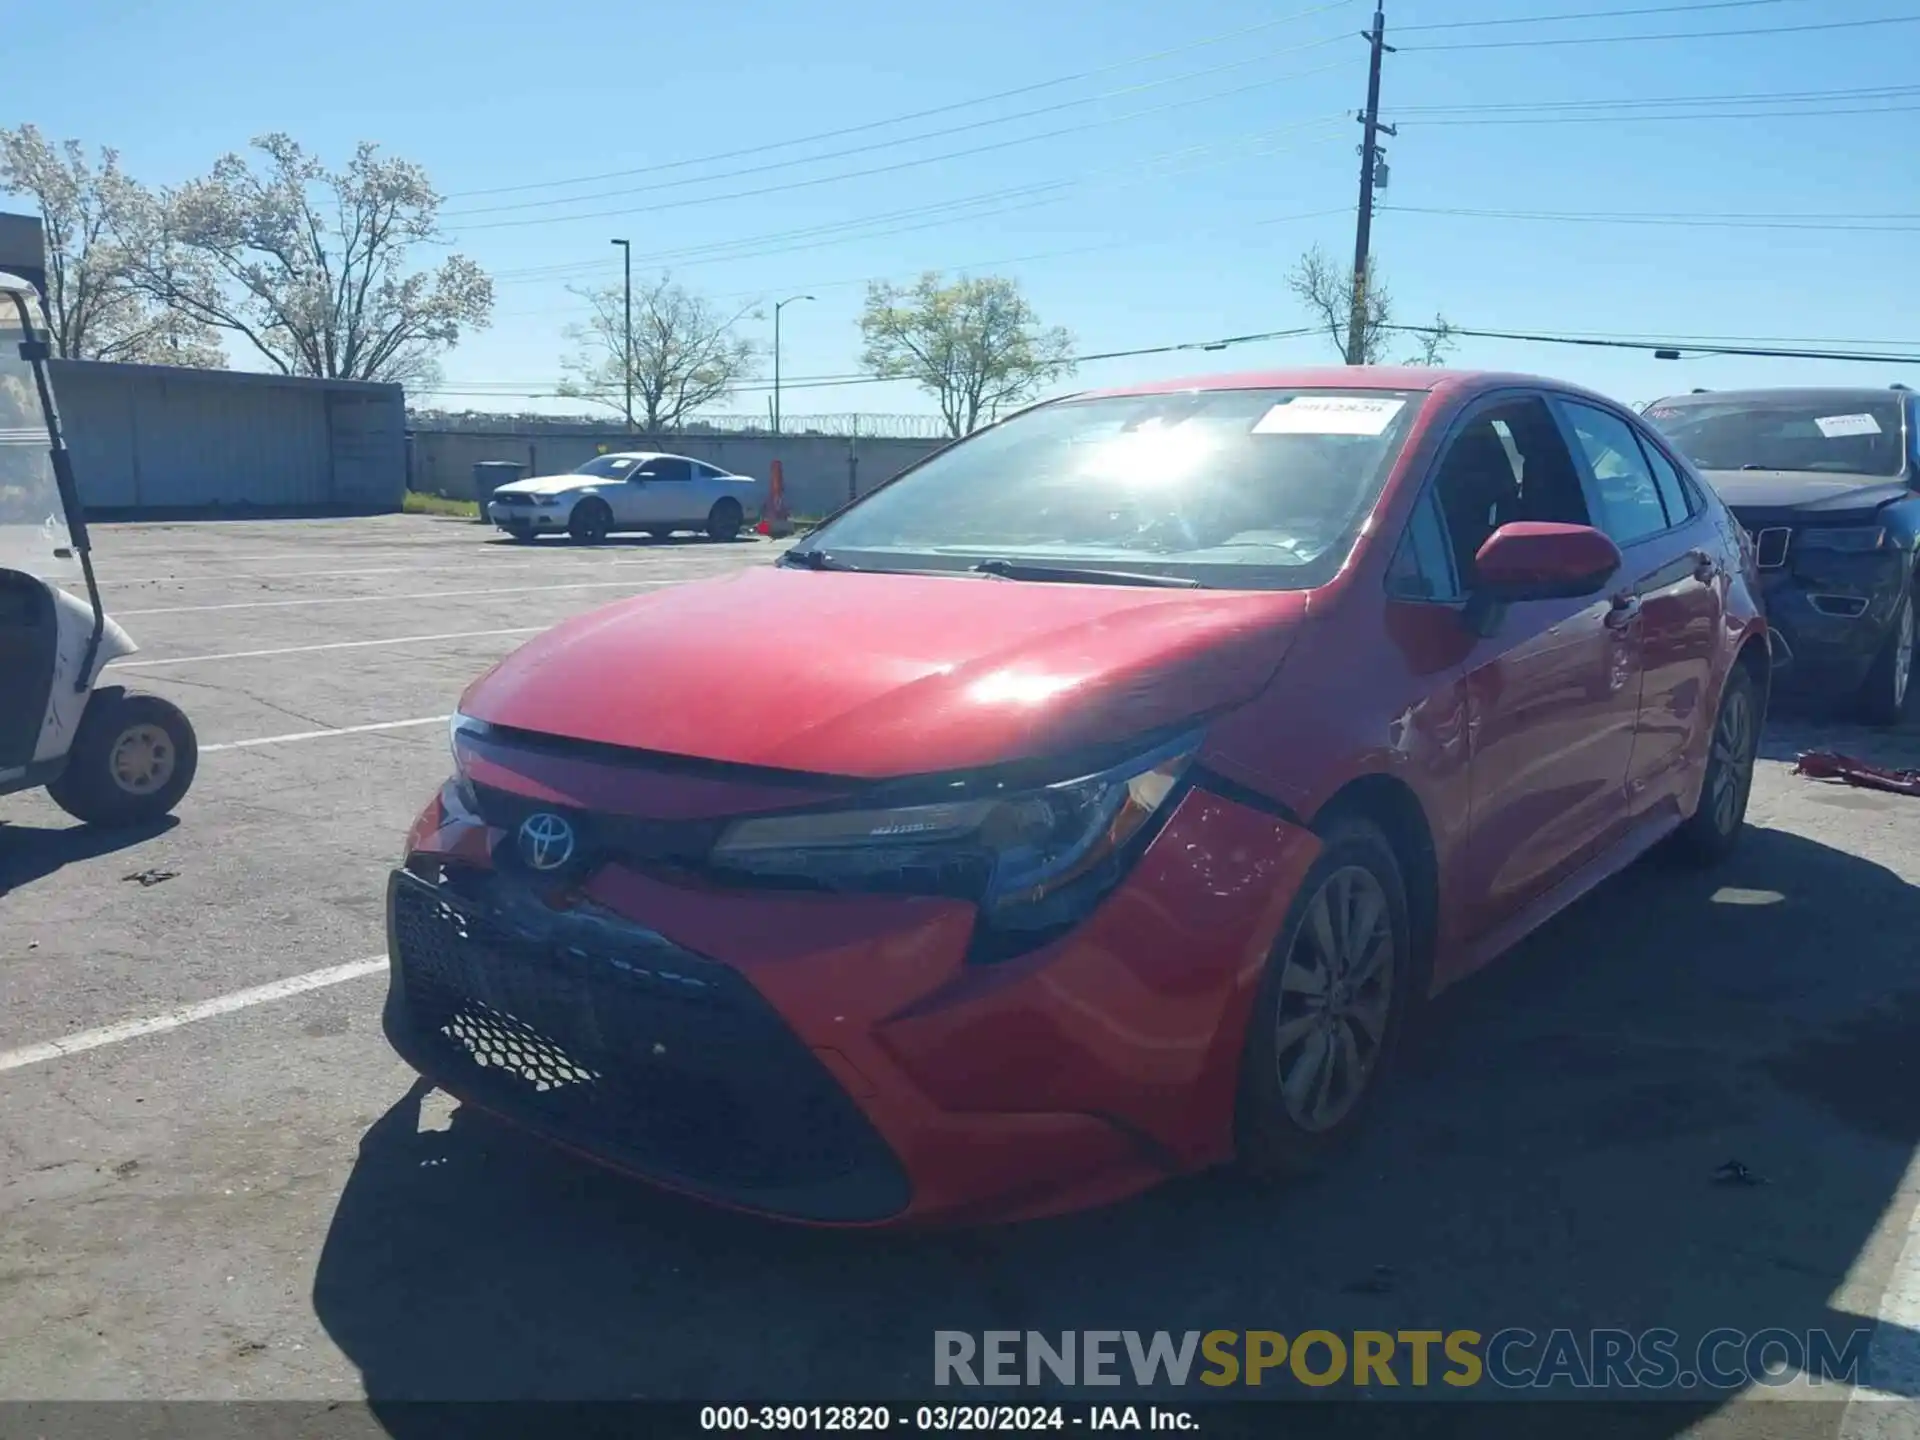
<point>1537,560</point>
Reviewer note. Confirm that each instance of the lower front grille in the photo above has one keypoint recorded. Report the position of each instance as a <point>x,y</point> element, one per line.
<point>613,1041</point>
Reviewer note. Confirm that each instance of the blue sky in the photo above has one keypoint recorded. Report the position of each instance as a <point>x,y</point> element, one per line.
<point>1187,184</point>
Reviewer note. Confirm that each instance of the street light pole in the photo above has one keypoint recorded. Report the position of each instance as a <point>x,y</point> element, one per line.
<point>626,354</point>
<point>778,307</point>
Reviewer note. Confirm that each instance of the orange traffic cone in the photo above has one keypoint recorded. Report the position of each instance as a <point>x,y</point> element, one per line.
<point>774,519</point>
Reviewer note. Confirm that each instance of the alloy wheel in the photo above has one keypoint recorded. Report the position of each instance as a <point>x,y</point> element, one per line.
<point>1903,655</point>
<point>1732,764</point>
<point>1336,996</point>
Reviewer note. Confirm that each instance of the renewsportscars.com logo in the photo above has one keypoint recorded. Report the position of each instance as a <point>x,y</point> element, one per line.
<point>1510,1359</point>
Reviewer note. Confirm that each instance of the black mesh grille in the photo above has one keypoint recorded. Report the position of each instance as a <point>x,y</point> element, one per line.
<point>620,1044</point>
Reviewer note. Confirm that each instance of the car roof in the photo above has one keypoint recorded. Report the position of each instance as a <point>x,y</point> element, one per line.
<point>1792,395</point>
<point>1456,384</point>
<point>653,455</point>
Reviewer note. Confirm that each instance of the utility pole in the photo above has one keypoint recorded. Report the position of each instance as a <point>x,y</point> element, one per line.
<point>1376,39</point>
<point>626,354</point>
<point>778,307</point>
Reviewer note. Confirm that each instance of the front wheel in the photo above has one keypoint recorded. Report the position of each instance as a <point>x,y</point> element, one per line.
<point>724,520</point>
<point>591,522</point>
<point>1883,698</point>
<point>133,757</point>
<point>1709,835</point>
<point>1331,1006</point>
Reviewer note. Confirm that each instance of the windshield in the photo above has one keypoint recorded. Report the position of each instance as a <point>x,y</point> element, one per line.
<point>609,467</point>
<point>33,527</point>
<point>1242,489</point>
<point>1847,435</point>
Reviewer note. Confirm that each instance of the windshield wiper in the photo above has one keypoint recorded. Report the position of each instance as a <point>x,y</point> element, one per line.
<point>1080,575</point>
<point>813,560</point>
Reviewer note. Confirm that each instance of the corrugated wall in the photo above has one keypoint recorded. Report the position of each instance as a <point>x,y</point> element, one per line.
<point>153,437</point>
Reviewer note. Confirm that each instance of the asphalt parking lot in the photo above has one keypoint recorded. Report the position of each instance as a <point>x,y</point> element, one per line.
<point>263,1203</point>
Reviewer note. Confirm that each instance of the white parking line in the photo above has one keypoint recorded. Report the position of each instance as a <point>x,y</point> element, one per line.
<point>1887,1403</point>
<point>519,563</point>
<point>325,734</point>
<point>186,1014</point>
<point>330,645</point>
<point>391,599</point>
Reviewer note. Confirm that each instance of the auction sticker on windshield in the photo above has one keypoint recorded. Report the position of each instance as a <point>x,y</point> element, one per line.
<point>1835,427</point>
<point>1329,415</point>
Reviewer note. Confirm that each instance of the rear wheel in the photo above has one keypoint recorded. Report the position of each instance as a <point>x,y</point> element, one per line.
<point>724,520</point>
<point>591,522</point>
<point>1889,685</point>
<point>133,757</point>
<point>1331,1007</point>
<point>1709,835</point>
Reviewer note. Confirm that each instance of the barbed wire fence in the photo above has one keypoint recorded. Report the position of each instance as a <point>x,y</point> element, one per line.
<point>854,426</point>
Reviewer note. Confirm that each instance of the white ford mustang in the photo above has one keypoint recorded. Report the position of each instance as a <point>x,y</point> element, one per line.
<point>630,491</point>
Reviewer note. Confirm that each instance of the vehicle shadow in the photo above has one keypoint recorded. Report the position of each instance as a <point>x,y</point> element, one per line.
<point>33,852</point>
<point>1548,1158</point>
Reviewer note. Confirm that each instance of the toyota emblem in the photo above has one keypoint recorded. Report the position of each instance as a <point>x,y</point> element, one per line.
<point>546,841</point>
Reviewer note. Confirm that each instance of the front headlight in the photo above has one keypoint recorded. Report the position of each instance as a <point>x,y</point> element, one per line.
<point>1848,540</point>
<point>1034,860</point>
<point>461,727</point>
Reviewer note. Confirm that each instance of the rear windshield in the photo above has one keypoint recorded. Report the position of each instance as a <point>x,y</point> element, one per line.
<point>1845,435</point>
<point>1241,489</point>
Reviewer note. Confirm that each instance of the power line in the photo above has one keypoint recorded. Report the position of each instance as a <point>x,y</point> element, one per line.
<point>1668,35</point>
<point>893,168</point>
<point>1764,352</point>
<point>822,382</point>
<point>828,235</point>
<point>915,139</point>
<point>913,115</point>
<point>1596,14</point>
<point>1684,115</point>
<point>1173,237</point>
<point>1869,223</point>
<point>1614,102</point>
<point>978,206</point>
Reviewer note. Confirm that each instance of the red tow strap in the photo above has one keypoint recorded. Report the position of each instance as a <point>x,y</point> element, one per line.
<point>1826,765</point>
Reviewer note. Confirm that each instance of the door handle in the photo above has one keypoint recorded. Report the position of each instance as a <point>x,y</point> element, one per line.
<point>1625,610</point>
<point>1705,567</point>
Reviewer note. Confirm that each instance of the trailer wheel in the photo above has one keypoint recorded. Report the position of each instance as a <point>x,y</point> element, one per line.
<point>133,758</point>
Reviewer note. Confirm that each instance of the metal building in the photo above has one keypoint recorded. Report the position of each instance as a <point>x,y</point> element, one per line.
<point>160,437</point>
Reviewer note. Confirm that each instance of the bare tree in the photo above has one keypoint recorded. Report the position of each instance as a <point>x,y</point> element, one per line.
<point>976,346</point>
<point>686,353</point>
<point>1325,291</point>
<point>86,210</point>
<point>309,264</point>
<point>1436,341</point>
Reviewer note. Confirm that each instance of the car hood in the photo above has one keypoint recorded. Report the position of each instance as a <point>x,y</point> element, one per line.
<point>877,676</point>
<point>549,484</point>
<point>1816,490</point>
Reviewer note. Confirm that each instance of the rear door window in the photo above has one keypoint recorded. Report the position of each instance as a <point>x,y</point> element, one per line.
<point>1673,491</point>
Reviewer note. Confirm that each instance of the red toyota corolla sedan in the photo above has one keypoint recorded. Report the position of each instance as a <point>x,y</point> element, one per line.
<point>1093,802</point>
